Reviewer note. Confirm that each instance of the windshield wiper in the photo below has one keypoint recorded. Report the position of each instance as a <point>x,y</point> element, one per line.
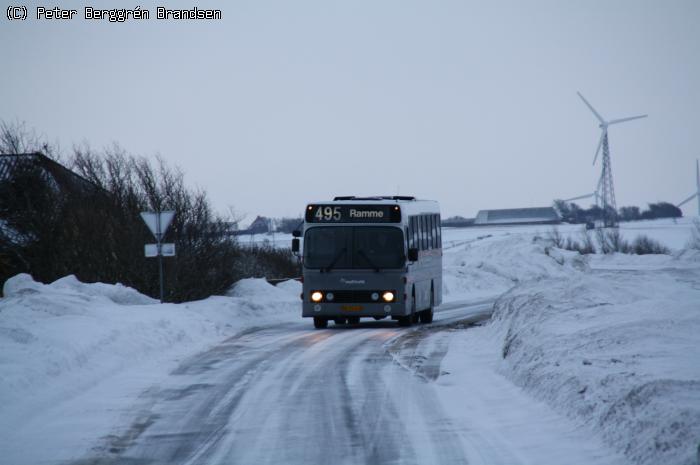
<point>371,263</point>
<point>335,259</point>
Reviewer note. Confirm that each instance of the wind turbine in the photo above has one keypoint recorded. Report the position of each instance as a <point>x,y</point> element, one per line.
<point>605,190</point>
<point>697,187</point>
<point>585,196</point>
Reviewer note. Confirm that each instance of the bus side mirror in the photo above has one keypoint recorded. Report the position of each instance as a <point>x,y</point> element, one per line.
<point>296,233</point>
<point>412,254</point>
<point>295,245</point>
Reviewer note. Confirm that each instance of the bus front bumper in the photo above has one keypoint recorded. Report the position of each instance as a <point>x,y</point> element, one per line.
<point>345,310</point>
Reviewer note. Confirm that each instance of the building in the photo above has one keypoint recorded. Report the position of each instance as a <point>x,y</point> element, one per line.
<point>60,177</point>
<point>512,216</point>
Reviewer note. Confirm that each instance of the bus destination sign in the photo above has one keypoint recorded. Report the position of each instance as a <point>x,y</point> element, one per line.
<point>353,214</point>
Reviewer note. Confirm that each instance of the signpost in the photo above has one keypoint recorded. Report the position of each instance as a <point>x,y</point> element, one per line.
<point>158,223</point>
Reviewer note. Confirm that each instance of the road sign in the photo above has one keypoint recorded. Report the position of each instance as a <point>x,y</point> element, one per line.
<point>158,222</point>
<point>166,250</point>
<point>151,250</point>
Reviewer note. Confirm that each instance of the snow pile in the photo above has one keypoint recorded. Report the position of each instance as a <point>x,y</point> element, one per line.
<point>23,284</point>
<point>616,350</point>
<point>254,288</point>
<point>61,339</point>
<point>490,265</point>
<point>291,285</point>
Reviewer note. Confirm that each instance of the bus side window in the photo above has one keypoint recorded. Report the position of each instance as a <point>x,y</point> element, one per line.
<point>429,219</point>
<point>419,225</point>
<point>408,238</point>
<point>425,232</point>
<point>439,232</point>
<point>435,231</point>
<point>412,231</point>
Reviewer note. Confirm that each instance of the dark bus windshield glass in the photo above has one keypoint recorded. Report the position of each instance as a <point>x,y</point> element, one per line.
<point>344,247</point>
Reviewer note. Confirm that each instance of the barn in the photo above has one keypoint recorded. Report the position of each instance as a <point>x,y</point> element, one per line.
<point>512,216</point>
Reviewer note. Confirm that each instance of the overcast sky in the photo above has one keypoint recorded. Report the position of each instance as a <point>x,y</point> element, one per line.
<point>284,102</point>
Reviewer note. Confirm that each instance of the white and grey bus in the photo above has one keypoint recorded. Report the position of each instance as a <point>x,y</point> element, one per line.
<point>377,257</point>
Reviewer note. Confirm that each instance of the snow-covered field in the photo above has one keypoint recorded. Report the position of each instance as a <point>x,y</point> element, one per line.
<point>611,342</point>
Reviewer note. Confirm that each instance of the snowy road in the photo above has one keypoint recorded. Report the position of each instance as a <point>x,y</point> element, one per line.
<point>294,395</point>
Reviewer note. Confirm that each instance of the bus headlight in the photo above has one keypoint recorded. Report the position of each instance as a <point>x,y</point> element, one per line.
<point>375,296</point>
<point>329,296</point>
<point>316,296</point>
<point>388,296</point>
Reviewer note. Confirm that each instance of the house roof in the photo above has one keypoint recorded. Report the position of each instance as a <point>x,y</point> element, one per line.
<point>59,174</point>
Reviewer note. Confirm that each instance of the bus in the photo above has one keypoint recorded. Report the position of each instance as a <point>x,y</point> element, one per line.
<point>371,257</point>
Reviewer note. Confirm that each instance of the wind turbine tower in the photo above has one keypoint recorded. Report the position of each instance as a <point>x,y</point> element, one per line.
<point>697,188</point>
<point>606,190</point>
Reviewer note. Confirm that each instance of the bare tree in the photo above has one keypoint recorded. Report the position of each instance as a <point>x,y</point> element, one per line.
<point>92,228</point>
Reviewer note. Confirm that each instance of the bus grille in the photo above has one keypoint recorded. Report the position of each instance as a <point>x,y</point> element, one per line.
<point>360,296</point>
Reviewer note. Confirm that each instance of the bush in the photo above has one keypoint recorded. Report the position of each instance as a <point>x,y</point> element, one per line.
<point>643,245</point>
<point>694,242</point>
<point>572,213</point>
<point>661,210</point>
<point>53,223</point>
<point>611,241</point>
<point>265,261</point>
<point>584,247</point>
<point>555,238</point>
<point>630,214</point>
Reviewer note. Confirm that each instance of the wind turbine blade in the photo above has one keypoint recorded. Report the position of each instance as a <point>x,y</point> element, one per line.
<point>697,175</point>
<point>597,115</point>
<point>600,144</point>
<point>687,200</point>
<point>622,120</point>
<point>579,197</point>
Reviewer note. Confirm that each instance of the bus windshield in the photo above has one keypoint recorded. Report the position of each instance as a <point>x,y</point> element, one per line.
<point>354,247</point>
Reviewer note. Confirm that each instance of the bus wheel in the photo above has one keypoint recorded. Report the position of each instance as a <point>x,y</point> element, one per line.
<point>320,323</point>
<point>426,316</point>
<point>340,321</point>
<point>353,320</point>
<point>408,320</point>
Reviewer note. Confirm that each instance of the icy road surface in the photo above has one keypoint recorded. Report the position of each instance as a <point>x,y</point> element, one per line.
<point>363,394</point>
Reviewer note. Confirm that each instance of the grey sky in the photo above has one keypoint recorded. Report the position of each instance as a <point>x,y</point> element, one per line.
<point>470,103</point>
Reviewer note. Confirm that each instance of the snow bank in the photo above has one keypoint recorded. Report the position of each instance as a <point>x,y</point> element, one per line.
<point>617,350</point>
<point>608,340</point>
<point>257,288</point>
<point>291,286</point>
<point>686,258</point>
<point>61,339</point>
<point>23,284</point>
<point>489,266</point>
